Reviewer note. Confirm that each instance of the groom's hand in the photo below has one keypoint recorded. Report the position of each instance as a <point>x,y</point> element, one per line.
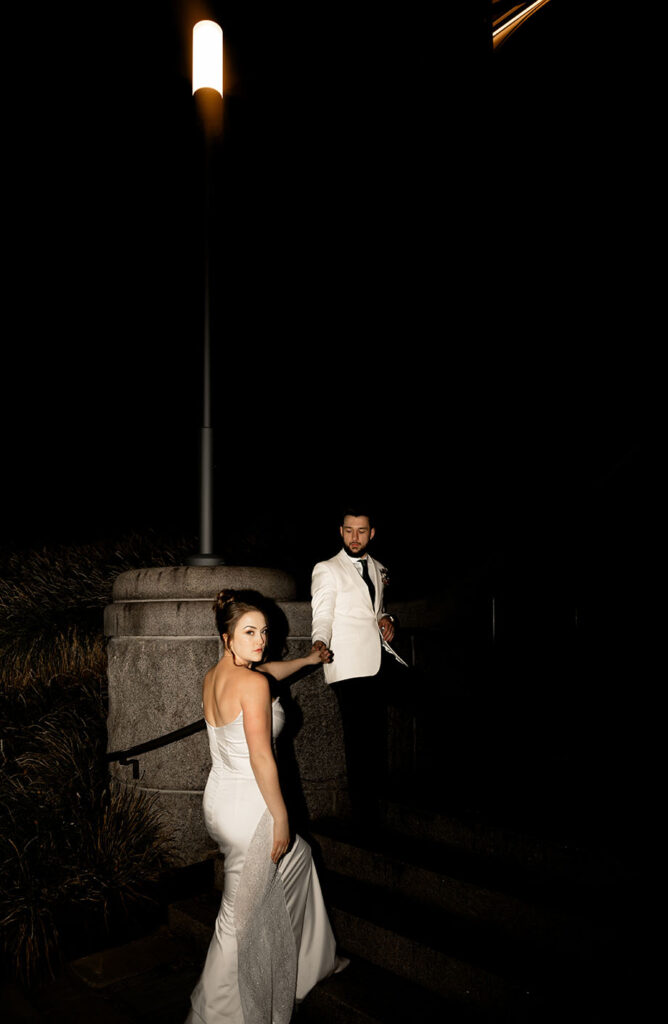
<point>320,651</point>
<point>386,628</point>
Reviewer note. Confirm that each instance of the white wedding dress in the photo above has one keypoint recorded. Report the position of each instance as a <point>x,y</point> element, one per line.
<point>272,940</point>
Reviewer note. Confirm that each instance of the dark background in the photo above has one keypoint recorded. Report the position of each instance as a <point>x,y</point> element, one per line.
<point>435,294</point>
<point>425,296</point>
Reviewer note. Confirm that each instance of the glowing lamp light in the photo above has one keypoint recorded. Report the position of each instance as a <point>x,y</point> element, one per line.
<point>207,56</point>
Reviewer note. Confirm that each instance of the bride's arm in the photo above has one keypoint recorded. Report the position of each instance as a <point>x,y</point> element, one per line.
<point>280,670</point>
<point>256,706</point>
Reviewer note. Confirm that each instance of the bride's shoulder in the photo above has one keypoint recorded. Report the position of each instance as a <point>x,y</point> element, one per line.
<point>210,675</point>
<point>252,685</point>
<point>209,681</point>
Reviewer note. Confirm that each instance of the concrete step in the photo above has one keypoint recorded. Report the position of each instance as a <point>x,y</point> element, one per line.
<point>406,955</point>
<point>423,945</point>
<point>492,922</point>
<point>499,898</point>
<point>365,994</point>
<point>373,927</point>
<point>538,856</point>
<point>370,990</point>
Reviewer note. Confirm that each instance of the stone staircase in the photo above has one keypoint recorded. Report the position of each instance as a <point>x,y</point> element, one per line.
<point>460,921</point>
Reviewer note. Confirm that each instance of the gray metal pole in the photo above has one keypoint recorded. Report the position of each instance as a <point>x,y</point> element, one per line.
<point>211,116</point>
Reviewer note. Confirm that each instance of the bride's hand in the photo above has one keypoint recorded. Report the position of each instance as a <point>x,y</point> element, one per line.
<point>319,653</point>
<point>281,839</point>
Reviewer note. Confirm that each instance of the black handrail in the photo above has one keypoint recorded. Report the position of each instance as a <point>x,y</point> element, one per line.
<point>128,757</point>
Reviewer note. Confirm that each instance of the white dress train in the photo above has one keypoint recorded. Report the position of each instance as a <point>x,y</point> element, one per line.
<point>272,940</point>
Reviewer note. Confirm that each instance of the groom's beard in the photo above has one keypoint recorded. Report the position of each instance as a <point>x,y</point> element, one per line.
<point>360,553</point>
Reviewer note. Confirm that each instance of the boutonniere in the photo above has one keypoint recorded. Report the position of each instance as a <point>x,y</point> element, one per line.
<point>385,577</point>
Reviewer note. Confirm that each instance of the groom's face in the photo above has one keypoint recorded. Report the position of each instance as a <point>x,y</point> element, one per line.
<point>356,533</point>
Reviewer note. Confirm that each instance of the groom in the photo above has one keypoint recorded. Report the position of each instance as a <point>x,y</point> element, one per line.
<point>348,616</point>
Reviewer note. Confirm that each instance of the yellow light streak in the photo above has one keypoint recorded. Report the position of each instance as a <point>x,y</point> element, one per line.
<point>506,13</point>
<point>501,33</point>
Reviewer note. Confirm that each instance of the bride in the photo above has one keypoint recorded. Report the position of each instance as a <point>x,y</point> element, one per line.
<point>272,940</point>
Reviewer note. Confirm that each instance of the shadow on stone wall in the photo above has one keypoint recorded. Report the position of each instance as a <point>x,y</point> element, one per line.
<point>162,640</point>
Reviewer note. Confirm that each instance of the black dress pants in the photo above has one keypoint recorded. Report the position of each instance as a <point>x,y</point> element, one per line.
<point>363,703</point>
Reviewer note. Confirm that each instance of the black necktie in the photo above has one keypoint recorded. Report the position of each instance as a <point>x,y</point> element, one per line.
<point>367,580</point>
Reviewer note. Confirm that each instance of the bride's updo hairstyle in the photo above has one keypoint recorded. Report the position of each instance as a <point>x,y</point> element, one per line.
<point>229,607</point>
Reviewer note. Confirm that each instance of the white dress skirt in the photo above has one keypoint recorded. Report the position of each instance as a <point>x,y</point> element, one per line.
<point>272,940</point>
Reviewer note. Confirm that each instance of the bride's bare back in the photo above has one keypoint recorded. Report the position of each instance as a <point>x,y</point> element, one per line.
<point>221,692</point>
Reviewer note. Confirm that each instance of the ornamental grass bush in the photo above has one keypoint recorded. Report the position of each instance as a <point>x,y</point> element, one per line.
<point>51,603</point>
<point>78,855</point>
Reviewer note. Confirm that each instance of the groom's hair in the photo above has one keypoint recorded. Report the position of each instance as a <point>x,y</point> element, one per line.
<point>356,511</point>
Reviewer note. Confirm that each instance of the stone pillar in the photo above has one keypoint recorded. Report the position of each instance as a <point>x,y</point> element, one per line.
<point>162,640</point>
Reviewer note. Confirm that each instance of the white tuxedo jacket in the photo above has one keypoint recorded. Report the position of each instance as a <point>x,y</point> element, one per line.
<point>343,617</point>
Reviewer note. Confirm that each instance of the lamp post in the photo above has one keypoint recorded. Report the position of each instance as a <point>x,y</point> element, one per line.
<point>208,92</point>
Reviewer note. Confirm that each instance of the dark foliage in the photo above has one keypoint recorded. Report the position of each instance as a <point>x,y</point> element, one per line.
<point>77,854</point>
<point>51,603</point>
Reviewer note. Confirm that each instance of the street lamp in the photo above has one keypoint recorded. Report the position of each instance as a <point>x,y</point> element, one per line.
<point>208,93</point>
<point>208,57</point>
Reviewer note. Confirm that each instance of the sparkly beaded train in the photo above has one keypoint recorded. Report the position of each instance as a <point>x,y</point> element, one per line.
<point>272,940</point>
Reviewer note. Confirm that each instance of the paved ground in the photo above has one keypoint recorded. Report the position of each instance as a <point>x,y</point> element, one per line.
<point>147,980</point>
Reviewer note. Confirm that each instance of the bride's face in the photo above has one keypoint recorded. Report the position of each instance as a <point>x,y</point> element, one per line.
<point>249,638</point>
